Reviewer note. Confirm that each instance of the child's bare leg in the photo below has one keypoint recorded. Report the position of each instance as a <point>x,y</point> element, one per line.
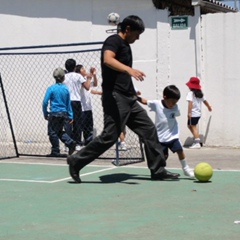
<point>122,137</point>
<point>122,140</point>
<point>181,155</point>
<point>195,133</point>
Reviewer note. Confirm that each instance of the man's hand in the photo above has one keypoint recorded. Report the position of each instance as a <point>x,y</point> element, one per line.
<point>138,75</point>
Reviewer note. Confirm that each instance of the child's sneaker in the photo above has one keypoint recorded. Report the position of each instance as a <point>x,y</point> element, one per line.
<point>65,149</point>
<point>78,147</point>
<point>195,146</point>
<point>188,172</point>
<point>123,146</point>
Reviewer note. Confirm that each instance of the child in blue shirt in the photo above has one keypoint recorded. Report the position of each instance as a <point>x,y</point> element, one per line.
<point>60,114</point>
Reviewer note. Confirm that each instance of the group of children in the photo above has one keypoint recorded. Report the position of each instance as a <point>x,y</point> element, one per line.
<point>76,102</point>
<point>70,114</point>
<point>70,96</point>
<point>120,108</point>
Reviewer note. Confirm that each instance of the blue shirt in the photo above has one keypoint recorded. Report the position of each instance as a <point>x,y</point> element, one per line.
<point>59,97</point>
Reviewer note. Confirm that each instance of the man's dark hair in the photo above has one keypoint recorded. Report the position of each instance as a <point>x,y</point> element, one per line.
<point>70,65</point>
<point>134,22</point>
<point>172,92</point>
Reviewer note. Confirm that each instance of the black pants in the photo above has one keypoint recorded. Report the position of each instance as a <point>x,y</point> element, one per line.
<point>87,127</point>
<point>119,111</point>
<point>76,126</point>
<point>56,123</point>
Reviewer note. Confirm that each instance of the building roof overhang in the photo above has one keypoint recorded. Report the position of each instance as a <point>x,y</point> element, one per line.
<point>212,6</point>
<point>186,7</point>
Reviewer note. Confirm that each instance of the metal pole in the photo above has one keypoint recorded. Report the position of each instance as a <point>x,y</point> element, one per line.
<point>9,118</point>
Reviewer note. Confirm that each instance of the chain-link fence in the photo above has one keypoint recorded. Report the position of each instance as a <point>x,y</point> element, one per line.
<point>26,73</point>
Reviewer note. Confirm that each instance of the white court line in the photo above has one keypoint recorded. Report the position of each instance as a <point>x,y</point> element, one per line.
<point>34,163</point>
<point>85,174</point>
<point>107,166</point>
<point>58,180</point>
<point>49,164</point>
<point>23,180</point>
<point>102,170</point>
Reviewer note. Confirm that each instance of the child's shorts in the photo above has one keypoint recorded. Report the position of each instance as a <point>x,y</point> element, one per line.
<point>193,121</point>
<point>174,145</point>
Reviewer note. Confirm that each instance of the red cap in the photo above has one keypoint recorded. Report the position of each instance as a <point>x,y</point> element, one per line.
<point>194,83</point>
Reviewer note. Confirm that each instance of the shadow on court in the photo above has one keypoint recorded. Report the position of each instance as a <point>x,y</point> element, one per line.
<point>37,202</point>
<point>115,178</point>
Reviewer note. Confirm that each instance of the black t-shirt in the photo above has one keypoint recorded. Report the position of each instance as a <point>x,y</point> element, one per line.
<point>113,80</point>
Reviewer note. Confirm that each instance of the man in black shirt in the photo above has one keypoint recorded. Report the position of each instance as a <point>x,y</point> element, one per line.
<point>120,106</point>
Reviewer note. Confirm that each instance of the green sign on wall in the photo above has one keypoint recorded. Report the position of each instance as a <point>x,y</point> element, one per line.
<point>179,22</point>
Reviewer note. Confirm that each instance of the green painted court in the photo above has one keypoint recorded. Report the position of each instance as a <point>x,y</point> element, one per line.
<point>40,201</point>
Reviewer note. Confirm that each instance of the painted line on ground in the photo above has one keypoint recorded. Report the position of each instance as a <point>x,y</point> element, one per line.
<point>23,180</point>
<point>35,163</point>
<point>85,174</point>
<point>107,166</point>
<point>54,181</point>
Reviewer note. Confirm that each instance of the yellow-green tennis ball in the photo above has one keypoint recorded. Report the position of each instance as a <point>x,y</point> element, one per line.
<point>203,172</point>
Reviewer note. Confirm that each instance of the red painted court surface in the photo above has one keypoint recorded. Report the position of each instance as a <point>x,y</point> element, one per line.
<point>40,201</point>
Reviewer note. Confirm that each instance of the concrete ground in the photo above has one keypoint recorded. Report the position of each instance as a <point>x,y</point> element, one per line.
<point>40,201</point>
<point>218,157</point>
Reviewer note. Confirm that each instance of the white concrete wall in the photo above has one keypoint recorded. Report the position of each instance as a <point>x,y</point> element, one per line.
<point>221,54</point>
<point>209,49</point>
<point>177,63</point>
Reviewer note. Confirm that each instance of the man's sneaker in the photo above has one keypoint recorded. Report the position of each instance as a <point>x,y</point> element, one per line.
<point>71,148</point>
<point>73,170</point>
<point>60,155</point>
<point>164,175</point>
<point>122,146</point>
<point>188,172</point>
<point>195,146</point>
<point>78,147</point>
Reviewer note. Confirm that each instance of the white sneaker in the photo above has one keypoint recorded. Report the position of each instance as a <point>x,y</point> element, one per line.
<point>188,172</point>
<point>65,149</point>
<point>123,146</point>
<point>78,147</point>
<point>195,146</point>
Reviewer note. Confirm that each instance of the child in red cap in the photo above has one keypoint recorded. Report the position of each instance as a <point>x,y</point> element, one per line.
<point>195,98</point>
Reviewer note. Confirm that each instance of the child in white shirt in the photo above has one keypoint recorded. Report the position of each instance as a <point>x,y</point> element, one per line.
<point>86,102</point>
<point>166,124</point>
<point>195,98</point>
